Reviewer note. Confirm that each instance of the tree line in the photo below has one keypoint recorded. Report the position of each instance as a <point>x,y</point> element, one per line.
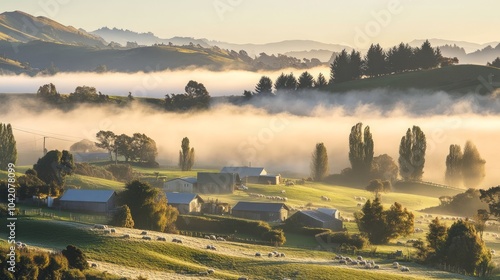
<point>468,167</point>
<point>137,148</point>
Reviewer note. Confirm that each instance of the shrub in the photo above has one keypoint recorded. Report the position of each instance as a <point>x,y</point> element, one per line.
<point>122,172</point>
<point>76,258</point>
<point>93,171</point>
<point>341,238</point>
<point>73,274</point>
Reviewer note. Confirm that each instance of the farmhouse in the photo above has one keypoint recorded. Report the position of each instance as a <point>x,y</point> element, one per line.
<point>217,182</point>
<point>185,185</point>
<point>88,200</point>
<point>184,202</point>
<point>270,212</point>
<point>320,218</point>
<point>257,175</point>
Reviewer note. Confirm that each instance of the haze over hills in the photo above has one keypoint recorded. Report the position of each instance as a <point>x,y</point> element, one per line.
<point>21,27</point>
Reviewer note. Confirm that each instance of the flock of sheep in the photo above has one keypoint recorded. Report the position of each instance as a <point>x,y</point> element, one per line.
<point>359,261</point>
<point>270,197</point>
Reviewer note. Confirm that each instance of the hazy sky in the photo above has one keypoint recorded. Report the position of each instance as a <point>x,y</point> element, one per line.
<point>257,21</point>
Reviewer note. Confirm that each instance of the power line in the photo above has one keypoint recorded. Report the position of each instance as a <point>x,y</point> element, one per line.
<point>45,132</point>
<point>45,136</point>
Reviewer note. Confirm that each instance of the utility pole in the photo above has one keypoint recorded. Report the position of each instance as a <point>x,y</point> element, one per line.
<point>44,149</point>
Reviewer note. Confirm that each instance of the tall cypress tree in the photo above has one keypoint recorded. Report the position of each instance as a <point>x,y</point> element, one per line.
<point>360,150</point>
<point>453,174</point>
<point>319,163</point>
<point>412,154</point>
<point>8,150</point>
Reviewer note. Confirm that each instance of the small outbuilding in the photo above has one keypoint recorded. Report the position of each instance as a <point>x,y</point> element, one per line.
<point>185,202</point>
<point>217,182</point>
<point>184,185</point>
<point>100,201</point>
<point>319,218</point>
<point>264,211</point>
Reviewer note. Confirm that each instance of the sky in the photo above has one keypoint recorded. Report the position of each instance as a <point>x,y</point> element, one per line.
<point>354,23</point>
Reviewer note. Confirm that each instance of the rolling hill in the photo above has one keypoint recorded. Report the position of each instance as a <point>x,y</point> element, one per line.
<point>21,27</point>
<point>457,78</point>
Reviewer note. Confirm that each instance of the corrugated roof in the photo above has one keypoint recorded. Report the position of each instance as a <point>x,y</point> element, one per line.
<point>245,171</point>
<point>87,195</point>
<point>319,215</point>
<point>329,211</point>
<point>259,206</point>
<point>191,180</point>
<point>181,198</point>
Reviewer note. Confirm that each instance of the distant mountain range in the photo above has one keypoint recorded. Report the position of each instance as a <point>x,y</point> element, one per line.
<point>22,28</point>
<point>31,45</point>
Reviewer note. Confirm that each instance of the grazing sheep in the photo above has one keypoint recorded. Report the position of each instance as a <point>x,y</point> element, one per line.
<point>211,271</point>
<point>126,236</point>
<point>144,233</point>
<point>348,259</point>
<point>405,269</point>
<point>207,237</point>
<point>395,265</point>
<point>283,254</point>
<point>359,204</point>
<point>242,278</point>
<point>258,254</point>
<point>270,255</point>
<point>220,239</point>
<point>360,258</point>
<point>161,239</point>
<point>209,246</point>
<point>93,265</point>
<point>112,230</point>
<point>97,226</point>
<point>175,240</point>
<point>213,237</point>
<point>146,238</point>
<point>203,273</point>
<point>493,252</point>
<point>342,261</point>
<point>362,262</point>
<point>106,231</point>
<point>214,248</point>
<point>376,266</point>
<point>368,266</point>
<point>354,263</point>
<point>338,257</point>
<point>283,191</point>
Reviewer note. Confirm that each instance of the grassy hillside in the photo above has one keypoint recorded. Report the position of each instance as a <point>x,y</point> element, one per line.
<point>171,257</point>
<point>457,78</point>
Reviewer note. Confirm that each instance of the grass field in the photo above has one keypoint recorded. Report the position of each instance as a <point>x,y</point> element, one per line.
<point>457,78</point>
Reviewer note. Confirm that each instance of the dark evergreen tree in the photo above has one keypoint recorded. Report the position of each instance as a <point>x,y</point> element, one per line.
<point>360,150</point>
<point>375,62</point>
<point>321,82</point>
<point>427,57</point>
<point>339,69</point>
<point>355,65</point>
<point>265,86</point>
<point>494,63</point>
<point>306,81</point>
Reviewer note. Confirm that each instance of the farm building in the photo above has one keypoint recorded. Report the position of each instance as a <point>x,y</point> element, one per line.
<point>184,202</point>
<point>217,182</point>
<point>88,200</point>
<point>269,212</point>
<point>185,185</point>
<point>319,218</point>
<point>256,175</point>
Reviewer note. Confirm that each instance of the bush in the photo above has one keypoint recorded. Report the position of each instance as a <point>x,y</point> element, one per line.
<point>76,258</point>
<point>341,238</point>
<point>276,236</point>
<point>122,172</point>
<point>73,274</point>
<point>122,217</point>
<point>86,169</point>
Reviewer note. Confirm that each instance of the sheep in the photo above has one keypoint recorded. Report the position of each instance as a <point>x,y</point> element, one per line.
<point>211,271</point>
<point>283,191</point>
<point>209,246</point>
<point>175,240</point>
<point>376,266</point>
<point>126,236</point>
<point>220,239</point>
<point>338,257</point>
<point>106,231</point>
<point>359,205</point>
<point>258,254</point>
<point>342,261</point>
<point>93,265</point>
<point>97,226</point>
<point>405,269</point>
<point>213,237</point>
<point>270,255</point>
<point>283,254</point>
<point>360,258</point>
<point>144,233</point>
<point>395,265</point>
<point>348,259</point>
<point>161,239</point>
<point>207,237</point>
<point>368,266</point>
<point>492,251</point>
<point>146,238</point>
<point>242,278</point>
<point>362,262</point>
<point>354,263</point>
<point>203,273</point>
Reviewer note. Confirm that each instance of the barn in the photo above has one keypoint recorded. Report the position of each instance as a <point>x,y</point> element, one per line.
<point>319,218</point>
<point>185,202</point>
<point>183,185</point>
<point>100,201</point>
<point>269,212</point>
<point>256,175</point>
<point>217,182</point>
